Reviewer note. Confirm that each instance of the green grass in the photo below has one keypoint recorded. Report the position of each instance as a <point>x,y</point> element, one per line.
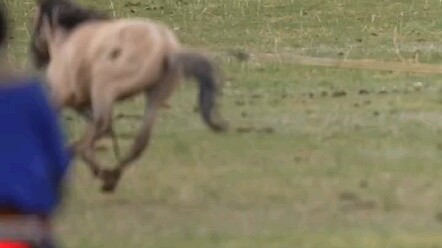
<point>300,167</point>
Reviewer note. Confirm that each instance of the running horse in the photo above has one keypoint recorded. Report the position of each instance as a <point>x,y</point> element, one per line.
<point>93,61</point>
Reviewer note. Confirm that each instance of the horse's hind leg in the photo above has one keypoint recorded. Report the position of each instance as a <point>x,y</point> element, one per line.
<point>111,177</point>
<point>155,99</point>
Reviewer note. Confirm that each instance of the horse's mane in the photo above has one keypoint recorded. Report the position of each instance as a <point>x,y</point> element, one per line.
<point>69,15</point>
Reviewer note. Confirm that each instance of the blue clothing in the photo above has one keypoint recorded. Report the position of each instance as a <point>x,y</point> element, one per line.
<point>33,155</point>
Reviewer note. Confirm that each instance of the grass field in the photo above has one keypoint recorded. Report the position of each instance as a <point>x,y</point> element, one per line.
<point>316,157</point>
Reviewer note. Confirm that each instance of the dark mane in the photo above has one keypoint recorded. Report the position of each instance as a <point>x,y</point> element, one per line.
<point>70,15</point>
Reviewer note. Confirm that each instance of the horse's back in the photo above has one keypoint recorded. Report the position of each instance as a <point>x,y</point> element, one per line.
<point>133,34</point>
<point>118,53</point>
<point>96,39</point>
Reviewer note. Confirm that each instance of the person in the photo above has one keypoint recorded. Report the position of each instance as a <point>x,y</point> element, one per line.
<point>34,158</point>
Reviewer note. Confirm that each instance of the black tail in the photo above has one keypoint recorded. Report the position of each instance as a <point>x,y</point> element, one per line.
<point>197,66</point>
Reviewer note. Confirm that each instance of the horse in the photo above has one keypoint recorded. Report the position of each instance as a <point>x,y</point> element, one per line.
<point>93,61</point>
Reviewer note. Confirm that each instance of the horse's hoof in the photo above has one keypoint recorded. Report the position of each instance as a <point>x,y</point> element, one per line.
<point>110,178</point>
<point>108,188</point>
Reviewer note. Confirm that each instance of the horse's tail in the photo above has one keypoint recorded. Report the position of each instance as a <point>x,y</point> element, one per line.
<point>199,67</point>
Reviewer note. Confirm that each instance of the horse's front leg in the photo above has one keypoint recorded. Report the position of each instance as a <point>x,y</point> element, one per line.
<point>86,148</point>
<point>58,104</point>
<point>102,103</point>
<point>75,146</point>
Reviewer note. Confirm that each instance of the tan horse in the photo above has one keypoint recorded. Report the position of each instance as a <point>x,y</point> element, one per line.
<point>94,61</point>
